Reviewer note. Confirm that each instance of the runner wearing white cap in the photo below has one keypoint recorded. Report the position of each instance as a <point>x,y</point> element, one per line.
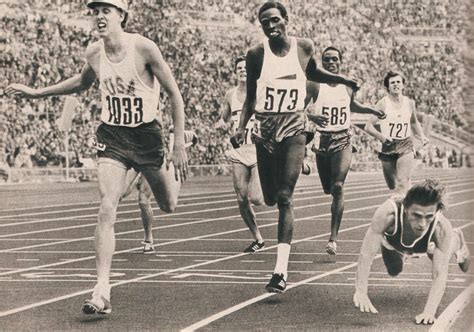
<point>131,70</point>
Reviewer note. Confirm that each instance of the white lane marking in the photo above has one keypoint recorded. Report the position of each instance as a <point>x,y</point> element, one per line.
<point>186,205</point>
<point>453,310</point>
<point>27,259</point>
<point>358,187</point>
<point>67,296</point>
<point>168,226</point>
<point>183,268</point>
<point>206,321</point>
<point>301,262</point>
<point>217,316</point>
<point>67,261</point>
<point>181,213</point>
<point>52,274</point>
<point>96,207</point>
<point>175,225</point>
<point>187,275</point>
<point>251,261</point>
<point>456,280</point>
<point>218,282</point>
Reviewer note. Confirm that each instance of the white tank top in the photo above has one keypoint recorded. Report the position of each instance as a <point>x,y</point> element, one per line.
<point>335,102</point>
<point>126,99</point>
<point>236,110</point>
<point>281,87</point>
<point>397,123</point>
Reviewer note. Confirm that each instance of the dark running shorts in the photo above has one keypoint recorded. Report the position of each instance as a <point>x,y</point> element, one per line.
<point>331,142</point>
<point>398,148</point>
<point>139,148</point>
<point>274,128</point>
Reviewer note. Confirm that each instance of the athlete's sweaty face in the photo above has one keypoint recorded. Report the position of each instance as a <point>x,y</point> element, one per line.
<point>273,24</point>
<point>331,61</point>
<point>241,71</point>
<point>395,85</point>
<point>419,217</point>
<point>107,18</point>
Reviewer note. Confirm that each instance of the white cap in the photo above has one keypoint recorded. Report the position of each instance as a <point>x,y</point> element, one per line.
<point>120,4</point>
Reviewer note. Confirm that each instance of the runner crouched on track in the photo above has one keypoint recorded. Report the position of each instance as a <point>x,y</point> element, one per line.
<point>412,225</point>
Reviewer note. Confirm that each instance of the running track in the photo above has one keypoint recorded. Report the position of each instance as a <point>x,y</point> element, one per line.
<point>198,278</point>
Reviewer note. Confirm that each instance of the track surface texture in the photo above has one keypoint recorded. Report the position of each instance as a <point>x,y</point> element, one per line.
<point>199,278</point>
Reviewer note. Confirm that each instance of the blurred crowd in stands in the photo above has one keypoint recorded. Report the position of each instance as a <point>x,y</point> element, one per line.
<point>44,42</point>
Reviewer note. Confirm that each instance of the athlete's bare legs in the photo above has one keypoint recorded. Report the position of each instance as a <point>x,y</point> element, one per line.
<point>164,186</point>
<point>111,177</point>
<point>405,167</point>
<point>242,176</point>
<point>144,202</point>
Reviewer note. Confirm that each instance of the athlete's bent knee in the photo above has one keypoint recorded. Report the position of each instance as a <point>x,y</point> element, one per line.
<point>242,196</point>
<point>107,211</point>
<point>337,189</point>
<point>168,207</point>
<point>285,197</point>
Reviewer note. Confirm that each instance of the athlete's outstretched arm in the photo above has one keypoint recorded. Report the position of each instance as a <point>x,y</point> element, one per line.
<point>370,124</point>
<point>358,107</point>
<point>253,68</point>
<point>226,113</point>
<point>312,94</point>
<point>77,83</point>
<point>415,125</point>
<point>441,257</point>
<point>370,247</point>
<point>160,69</point>
<point>320,75</point>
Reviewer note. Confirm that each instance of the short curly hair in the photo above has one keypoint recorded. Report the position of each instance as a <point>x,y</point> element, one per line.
<point>273,4</point>
<point>425,193</point>
<point>239,59</point>
<point>389,75</point>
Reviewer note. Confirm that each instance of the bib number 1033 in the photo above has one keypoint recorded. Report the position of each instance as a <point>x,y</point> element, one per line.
<point>277,100</point>
<point>125,110</point>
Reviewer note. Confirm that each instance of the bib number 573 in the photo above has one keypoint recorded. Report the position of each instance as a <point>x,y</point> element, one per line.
<point>278,99</point>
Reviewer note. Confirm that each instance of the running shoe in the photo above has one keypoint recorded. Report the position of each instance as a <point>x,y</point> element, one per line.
<point>148,248</point>
<point>277,284</point>
<point>463,256</point>
<point>97,305</point>
<point>306,167</point>
<point>331,247</point>
<point>254,246</point>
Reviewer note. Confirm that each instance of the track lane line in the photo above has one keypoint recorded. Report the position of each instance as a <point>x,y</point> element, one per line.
<point>206,321</point>
<point>184,268</point>
<point>185,213</point>
<point>312,190</point>
<point>68,296</point>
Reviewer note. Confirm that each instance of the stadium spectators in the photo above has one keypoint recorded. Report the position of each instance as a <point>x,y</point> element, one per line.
<point>200,39</point>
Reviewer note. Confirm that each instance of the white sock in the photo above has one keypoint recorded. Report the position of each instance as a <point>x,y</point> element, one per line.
<point>102,288</point>
<point>283,255</point>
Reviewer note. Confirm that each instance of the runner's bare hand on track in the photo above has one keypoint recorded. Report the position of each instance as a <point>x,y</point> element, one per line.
<point>425,318</point>
<point>363,302</point>
<point>180,161</point>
